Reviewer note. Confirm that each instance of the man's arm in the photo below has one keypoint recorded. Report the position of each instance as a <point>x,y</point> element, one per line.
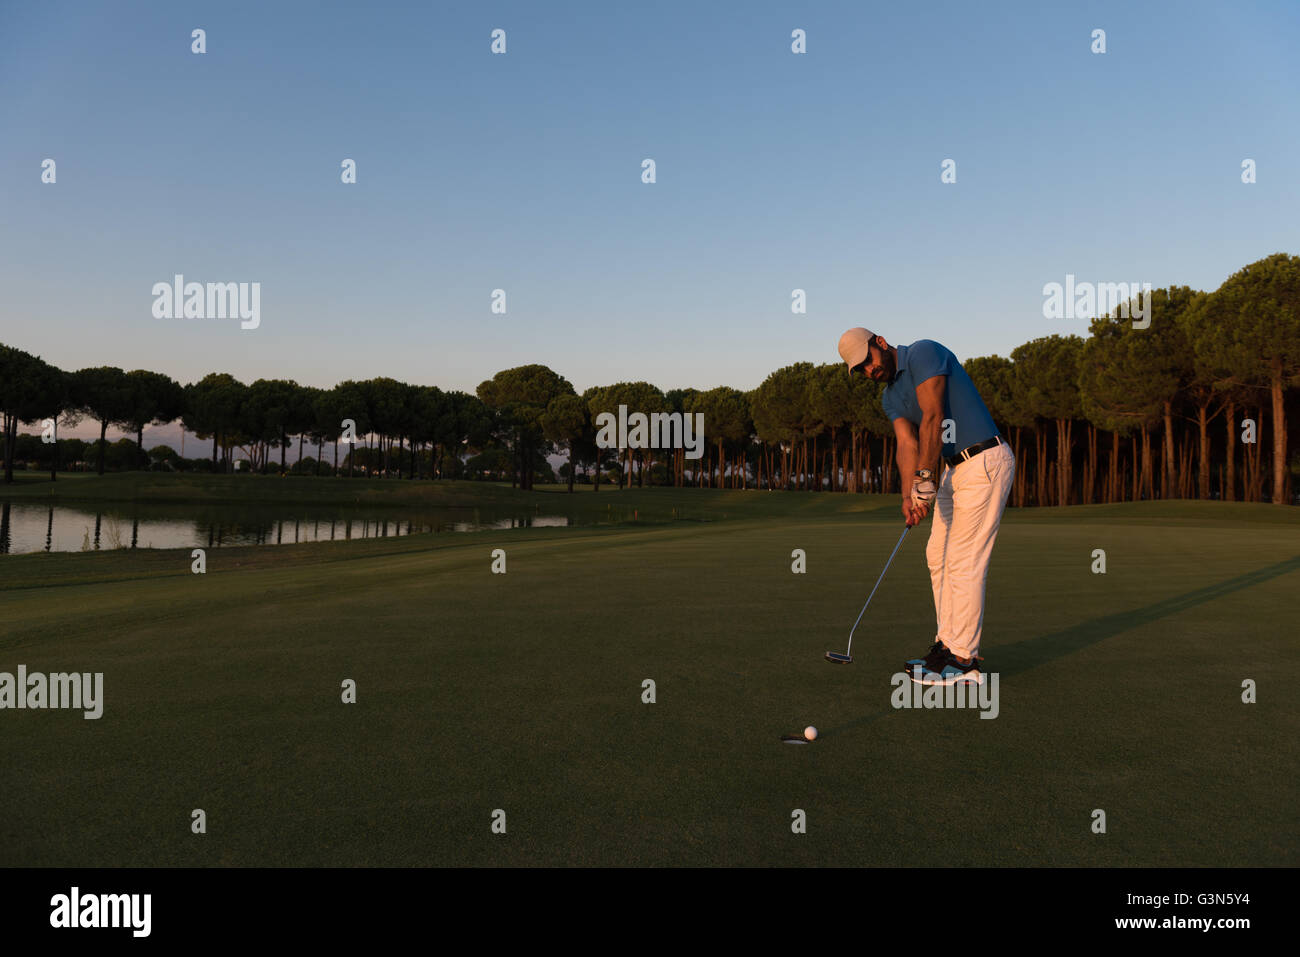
<point>929,395</point>
<point>905,432</point>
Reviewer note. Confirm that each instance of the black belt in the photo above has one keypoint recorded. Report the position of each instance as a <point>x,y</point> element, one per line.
<point>976,449</point>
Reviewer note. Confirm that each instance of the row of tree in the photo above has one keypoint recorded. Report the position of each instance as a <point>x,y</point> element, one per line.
<point>1089,409</point>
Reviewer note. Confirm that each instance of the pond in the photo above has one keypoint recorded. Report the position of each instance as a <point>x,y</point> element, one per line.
<point>28,527</point>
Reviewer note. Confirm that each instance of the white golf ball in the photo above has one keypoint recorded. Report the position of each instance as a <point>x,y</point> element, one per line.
<point>810,733</point>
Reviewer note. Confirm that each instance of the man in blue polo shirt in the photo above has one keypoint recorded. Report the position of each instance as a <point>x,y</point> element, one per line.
<point>937,413</point>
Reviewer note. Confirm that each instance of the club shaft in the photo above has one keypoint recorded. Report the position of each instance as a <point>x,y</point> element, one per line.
<point>849,651</point>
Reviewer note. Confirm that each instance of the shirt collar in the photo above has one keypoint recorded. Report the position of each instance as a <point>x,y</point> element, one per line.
<point>900,362</point>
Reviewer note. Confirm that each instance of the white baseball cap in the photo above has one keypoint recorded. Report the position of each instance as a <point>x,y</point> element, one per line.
<point>855,346</point>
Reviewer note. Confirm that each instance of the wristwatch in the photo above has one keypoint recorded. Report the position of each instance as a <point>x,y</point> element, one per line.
<point>925,475</point>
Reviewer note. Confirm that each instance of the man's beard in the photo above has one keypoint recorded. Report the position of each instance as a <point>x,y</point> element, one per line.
<point>887,363</point>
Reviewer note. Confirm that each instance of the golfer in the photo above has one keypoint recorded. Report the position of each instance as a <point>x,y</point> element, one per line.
<point>929,397</point>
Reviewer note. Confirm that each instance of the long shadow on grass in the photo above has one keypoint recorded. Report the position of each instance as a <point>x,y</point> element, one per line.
<point>1032,652</point>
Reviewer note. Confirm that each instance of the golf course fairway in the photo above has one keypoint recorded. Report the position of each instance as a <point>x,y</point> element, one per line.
<point>523,692</point>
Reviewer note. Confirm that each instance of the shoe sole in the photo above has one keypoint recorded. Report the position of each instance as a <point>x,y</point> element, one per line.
<point>976,679</point>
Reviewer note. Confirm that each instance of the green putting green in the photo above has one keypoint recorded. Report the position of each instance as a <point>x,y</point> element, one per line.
<point>523,692</point>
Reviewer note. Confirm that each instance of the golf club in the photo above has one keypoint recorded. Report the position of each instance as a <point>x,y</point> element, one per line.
<point>847,657</point>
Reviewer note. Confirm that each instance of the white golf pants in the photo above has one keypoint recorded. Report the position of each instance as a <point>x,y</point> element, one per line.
<point>968,509</point>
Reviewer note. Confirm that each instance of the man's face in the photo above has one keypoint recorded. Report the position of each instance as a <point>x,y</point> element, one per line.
<point>879,364</point>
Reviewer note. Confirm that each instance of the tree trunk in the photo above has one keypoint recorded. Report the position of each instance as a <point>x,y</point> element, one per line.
<point>1279,435</point>
<point>1091,482</point>
<point>1148,476</point>
<point>866,466</point>
<point>1185,471</point>
<point>1019,491</point>
<point>1064,460</point>
<point>284,442</point>
<point>1168,467</point>
<point>103,431</point>
<point>887,470</point>
<point>864,461</point>
<point>1137,458</point>
<point>1257,459</point>
<point>1203,465</point>
<point>856,475</point>
<point>1230,487</point>
<point>1112,489</point>
<point>8,453</point>
<point>1040,473</point>
<point>860,438</point>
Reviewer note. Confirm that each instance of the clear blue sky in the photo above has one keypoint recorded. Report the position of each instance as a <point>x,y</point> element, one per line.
<point>522,171</point>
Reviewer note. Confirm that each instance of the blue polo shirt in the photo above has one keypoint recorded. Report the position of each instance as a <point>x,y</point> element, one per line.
<point>921,360</point>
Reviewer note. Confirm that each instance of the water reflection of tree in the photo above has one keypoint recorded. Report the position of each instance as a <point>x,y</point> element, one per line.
<point>239,530</point>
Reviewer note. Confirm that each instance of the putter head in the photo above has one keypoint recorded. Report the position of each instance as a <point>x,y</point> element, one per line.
<point>836,658</point>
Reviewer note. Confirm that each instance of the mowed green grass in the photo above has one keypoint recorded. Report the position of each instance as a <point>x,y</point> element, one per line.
<point>522,692</point>
<point>298,491</point>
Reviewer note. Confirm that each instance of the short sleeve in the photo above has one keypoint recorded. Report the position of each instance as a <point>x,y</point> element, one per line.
<point>927,359</point>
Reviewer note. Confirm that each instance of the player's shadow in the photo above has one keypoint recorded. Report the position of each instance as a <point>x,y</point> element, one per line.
<point>1032,652</point>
